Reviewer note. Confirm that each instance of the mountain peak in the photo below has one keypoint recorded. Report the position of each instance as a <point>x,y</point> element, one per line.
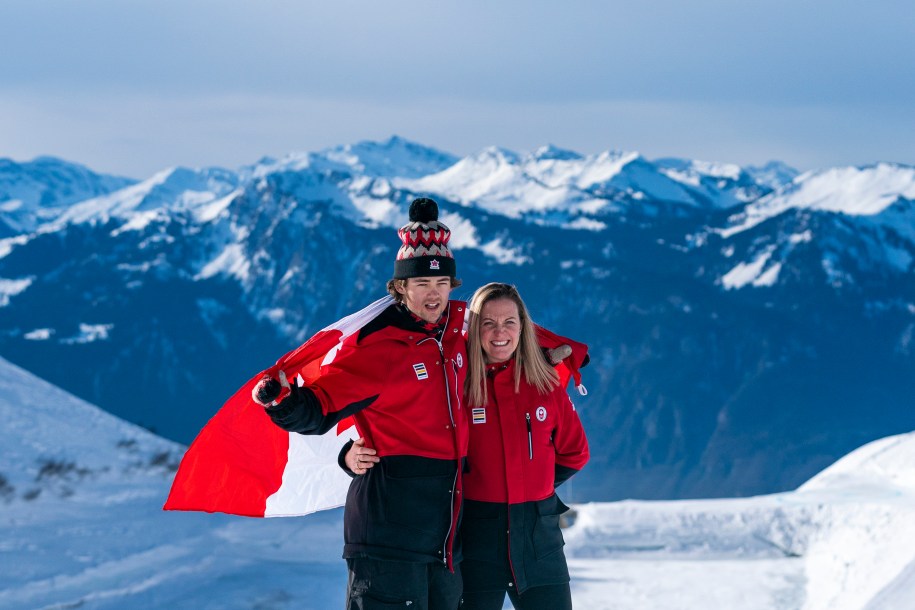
<point>396,141</point>
<point>773,174</point>
<point>36,191</point>
<point>865,190</point>
<point>550,152</point>
<point>170,188</point>
<point>394,157</point>
<point>499,154</point>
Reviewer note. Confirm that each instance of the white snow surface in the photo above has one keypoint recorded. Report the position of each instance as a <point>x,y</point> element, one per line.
<point>854,191</point>
<point>10,288</point>
<point>81,525</point>
<point>549,179</point>
<point>89,333</point>
<point>876,202</point>
<point>845,540</point>
<point>169,189</point>
<point>395,157</point>
<point>756,273</point>
<point>369,182</point>
<point>39,190</point>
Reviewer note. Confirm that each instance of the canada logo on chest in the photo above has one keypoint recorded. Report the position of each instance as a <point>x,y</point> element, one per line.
<point>541,413</point>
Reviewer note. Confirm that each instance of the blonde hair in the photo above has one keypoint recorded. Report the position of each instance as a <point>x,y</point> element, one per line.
<point>529,360</point>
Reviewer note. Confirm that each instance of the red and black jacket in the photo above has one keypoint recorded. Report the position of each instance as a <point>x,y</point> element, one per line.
<point>404,387</point>
<point>522,445</point>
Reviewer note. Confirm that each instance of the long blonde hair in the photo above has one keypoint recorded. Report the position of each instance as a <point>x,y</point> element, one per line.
<point>529,360</point>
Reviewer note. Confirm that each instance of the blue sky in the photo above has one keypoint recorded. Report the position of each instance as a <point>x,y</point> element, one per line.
<point>131,87</point>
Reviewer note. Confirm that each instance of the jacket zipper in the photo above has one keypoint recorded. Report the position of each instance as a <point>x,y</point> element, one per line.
<point>441,351</point>
<point>455,371</point>
<point>508,539</point>
<point>530,437</point>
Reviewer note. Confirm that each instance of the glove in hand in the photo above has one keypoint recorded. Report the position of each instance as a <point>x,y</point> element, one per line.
<point>266,391</point>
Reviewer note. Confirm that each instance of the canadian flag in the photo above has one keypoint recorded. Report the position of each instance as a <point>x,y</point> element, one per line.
<point>241,463</point>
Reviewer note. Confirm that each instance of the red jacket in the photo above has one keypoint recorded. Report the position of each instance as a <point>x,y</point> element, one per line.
<point>521,446</point>
<point>404,388</point>
<point>517,440</point>
<point>417,385</point>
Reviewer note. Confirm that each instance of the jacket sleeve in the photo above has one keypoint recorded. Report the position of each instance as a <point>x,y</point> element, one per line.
<point>301,412</point>
<point>569,440</point>
<point>341,458</point>
<point>562,475</point>
<point>347,385</point>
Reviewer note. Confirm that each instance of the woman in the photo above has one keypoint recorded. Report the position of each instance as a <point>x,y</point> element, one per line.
<point>525,439</point>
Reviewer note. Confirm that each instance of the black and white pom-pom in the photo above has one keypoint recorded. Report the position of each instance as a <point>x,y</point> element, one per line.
<point>423,210</point>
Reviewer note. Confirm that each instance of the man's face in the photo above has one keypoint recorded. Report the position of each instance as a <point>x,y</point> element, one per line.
<point>427,297</point>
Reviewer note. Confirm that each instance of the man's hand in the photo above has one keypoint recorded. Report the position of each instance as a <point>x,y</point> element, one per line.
<point>360,458</point>
<point>269,389</point>
<point>266,391</point>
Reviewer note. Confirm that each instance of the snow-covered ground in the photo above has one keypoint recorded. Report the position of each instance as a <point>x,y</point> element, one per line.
<point>81,526</point>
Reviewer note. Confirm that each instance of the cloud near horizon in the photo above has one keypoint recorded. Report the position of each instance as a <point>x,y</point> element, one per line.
<point>131,88</point>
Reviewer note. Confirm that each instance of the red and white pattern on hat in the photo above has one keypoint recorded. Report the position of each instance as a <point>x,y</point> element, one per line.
<point>424,239</point>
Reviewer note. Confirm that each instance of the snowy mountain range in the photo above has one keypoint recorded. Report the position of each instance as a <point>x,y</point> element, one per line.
<point>81,525</point>
<point>748,326</point>
<point>31,193</point>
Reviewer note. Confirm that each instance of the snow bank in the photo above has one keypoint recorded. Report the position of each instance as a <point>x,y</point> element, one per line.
<point>845,540</point>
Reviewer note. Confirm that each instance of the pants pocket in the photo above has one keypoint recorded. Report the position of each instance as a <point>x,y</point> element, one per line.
<point>372,601</point>
<point>547,536</point>
<point>413,502</point>
<point>376,584</point>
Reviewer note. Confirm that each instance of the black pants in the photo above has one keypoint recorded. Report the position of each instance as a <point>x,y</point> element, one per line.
<point>547,597</point>
<point>382,584</point>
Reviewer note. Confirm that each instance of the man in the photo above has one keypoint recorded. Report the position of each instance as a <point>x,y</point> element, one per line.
<point>401,377</point>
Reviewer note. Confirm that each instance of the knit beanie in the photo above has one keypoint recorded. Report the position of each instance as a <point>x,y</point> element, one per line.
<point>425,251</point>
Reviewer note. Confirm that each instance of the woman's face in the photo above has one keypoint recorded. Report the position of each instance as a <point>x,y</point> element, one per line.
<point>500,329</point>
